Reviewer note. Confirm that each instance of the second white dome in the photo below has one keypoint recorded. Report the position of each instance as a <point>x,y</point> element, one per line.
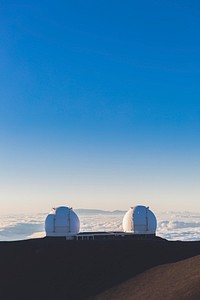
<point>140,220</point>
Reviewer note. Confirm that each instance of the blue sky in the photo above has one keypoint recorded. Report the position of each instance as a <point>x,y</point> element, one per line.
<point>99,104</point>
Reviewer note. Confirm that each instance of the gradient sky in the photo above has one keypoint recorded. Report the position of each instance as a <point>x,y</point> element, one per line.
<point>99,104</point>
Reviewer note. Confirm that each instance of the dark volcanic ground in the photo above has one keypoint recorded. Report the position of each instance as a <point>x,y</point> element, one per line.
<point>59,269</point>
<point>174,281</point>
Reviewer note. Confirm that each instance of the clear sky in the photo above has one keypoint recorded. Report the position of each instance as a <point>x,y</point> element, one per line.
<point>99,104</point>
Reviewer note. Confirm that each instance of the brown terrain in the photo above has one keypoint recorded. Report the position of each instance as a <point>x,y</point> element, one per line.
<point>180,280</point>
<point>53,268</point>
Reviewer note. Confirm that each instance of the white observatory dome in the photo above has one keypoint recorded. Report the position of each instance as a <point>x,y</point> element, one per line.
<point>140,220</point>
<point>62,221</point>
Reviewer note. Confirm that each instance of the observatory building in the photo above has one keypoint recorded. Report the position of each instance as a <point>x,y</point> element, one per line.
<point>139,220</point>
<point>62,221</point>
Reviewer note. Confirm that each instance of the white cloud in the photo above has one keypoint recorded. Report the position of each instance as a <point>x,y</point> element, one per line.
<point>171,225</point>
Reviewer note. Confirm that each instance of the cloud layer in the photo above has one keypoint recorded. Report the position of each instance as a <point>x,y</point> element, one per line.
<point>171,225</point>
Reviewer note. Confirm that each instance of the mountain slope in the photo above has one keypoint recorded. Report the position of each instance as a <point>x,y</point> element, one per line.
<point>174,281</point>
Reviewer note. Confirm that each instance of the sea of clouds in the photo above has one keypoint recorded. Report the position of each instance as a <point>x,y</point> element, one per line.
<point>183,226</point>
